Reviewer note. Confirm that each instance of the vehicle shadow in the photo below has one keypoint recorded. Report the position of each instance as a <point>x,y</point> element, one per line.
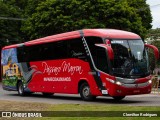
<point>98,100</point>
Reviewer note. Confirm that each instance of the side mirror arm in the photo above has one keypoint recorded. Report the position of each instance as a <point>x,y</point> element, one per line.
<point>109,50</point>
<point>155,49</point>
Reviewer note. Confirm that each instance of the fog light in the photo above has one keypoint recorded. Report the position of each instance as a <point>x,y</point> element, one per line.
<point>104,84</point>
<point>118,83</point>
<point>119,91</point>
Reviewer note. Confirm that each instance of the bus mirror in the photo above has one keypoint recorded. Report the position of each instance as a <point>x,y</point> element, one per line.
<point>109,50</point>
<point>108,42</point>
<point>155,49</point>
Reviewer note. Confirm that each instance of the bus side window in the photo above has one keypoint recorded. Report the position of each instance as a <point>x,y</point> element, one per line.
<point>76,49</point>
<point>21,54</point>
<point>98,54</point>
<point>60,50</point>
<point>46,51</point>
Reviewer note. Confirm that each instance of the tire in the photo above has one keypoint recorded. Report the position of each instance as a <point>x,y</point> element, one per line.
<point>47,94</point>
<point>85,92</point>
<point>20,89</point>
<point>118,98</point>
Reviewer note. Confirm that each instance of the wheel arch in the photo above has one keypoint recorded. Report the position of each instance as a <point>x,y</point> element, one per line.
<point>80,83</point>
<point>18,83</point>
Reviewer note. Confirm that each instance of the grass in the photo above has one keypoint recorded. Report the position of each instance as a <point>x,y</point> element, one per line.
<point>29,106</point>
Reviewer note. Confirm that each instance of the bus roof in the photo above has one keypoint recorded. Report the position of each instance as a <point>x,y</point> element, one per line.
<point>105,33</point>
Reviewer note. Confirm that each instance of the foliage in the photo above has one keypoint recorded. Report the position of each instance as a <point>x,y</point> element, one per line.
<point>10,32</point>
<point>48,17</point>
<point>30,7</point>
<point>9,29</point>
<point>16,3</point>
<point>154,34</point>
<point>153,62</point>
<point>57,16</point>
<point>143,11</point>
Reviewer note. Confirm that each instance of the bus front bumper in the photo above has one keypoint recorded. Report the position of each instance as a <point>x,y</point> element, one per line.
<point>130,89</point>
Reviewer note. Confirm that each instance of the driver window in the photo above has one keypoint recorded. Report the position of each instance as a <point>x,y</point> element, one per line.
<point>99,54</point>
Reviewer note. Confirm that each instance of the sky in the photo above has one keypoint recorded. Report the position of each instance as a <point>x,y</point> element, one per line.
<point>155,11</point>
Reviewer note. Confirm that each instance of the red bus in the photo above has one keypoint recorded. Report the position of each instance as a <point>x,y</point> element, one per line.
<point>89,62</point>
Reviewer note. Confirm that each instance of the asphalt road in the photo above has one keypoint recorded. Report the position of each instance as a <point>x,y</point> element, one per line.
<point>136,100</point>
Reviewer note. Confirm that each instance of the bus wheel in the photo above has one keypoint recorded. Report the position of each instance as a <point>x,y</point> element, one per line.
<point>85,92</point>
<point>47,94</point>
<point>20,89</point>
<point>118,98</point>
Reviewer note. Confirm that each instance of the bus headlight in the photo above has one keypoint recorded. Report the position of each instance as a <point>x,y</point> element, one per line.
<point>150,81</point>
<point>118,83</point>
<point>110,80</point>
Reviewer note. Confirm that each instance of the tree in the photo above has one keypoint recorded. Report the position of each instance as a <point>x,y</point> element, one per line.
<point>143,11</point>
<point>47,17</point>
<point>57,16</point>
<point>154,34</point>
<point>16,3</point>
<point>153,62</point>
<point>9,29</point>
<point>31,6</point>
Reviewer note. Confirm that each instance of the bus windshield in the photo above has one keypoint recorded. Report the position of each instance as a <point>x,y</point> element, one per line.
<point>130,58</point>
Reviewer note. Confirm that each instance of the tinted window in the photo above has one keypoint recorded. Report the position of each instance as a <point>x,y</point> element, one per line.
<point>20,54</point>
<point>99,54</point>
<point>76,49</point>
<point>130,58</point>
<point>73,48</point>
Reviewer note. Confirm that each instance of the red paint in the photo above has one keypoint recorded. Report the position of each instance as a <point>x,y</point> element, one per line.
<point>110,33</point>
<point>155,49</point>
<point>105,33</point>
<point>46,82</point>
<point>10,46</point>
<point>143,80</point>
<point>109,50</point>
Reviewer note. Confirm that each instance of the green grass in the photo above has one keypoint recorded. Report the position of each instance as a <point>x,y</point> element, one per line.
<point>28,106</point>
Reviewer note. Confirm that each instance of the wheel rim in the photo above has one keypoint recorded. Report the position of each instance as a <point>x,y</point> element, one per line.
<point>86,91</point>
<point>20,88</point>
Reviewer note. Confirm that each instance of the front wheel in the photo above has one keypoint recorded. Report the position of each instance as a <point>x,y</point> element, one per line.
<point>85,92</point>
<point>118,98</point>
<point>21,89</point>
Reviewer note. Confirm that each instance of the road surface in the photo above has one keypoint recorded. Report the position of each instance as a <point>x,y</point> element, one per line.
<point>136,100</point>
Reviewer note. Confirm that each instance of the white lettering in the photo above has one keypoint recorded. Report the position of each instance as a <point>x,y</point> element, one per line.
<point>50,69</point>
<point>65,67</point>
<point>117,42</point>
<point>34,115</point>
<point>57,78</point>
<point>131,114</point>
<point>19,114</point>
<point>71,69</point>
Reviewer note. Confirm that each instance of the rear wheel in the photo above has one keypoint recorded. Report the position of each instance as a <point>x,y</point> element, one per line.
<point>21,89</point>
<point>85,92</point>
<point>118,98</point>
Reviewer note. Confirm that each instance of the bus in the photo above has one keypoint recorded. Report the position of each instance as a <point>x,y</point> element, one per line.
<point>89,62</point>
